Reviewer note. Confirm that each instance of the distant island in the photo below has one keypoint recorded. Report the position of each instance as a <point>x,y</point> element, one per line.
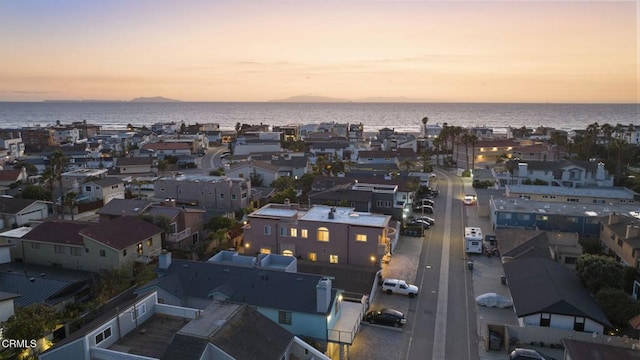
<point>326,99</point>
<point>154,99</point>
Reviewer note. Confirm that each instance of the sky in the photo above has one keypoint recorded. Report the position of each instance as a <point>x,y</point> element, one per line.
<point>236,50</point>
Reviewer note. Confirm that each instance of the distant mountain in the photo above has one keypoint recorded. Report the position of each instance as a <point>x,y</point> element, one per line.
<point>310,99</point>
<point>326,99</point>
<point>398,99</point>
<point>154,99</point>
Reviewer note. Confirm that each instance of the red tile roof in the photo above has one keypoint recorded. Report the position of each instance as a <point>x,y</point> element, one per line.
<point>121,232</point>
<point>9,175</point>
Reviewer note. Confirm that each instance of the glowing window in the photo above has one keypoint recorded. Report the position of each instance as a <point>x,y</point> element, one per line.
<point>293,232</point>
<point>361,237</point>
<point>312,256</point>
<point>333,259</point>
<point>287,252</point>
<point>304,233</point>
<point>323,234</point>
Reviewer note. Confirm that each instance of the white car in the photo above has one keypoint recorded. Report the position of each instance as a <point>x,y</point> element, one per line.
<point>395,286</point>
<point>469,199</point>
<point>494,300</point>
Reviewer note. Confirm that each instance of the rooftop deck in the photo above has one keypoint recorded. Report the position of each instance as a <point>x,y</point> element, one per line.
<point>151,338</point>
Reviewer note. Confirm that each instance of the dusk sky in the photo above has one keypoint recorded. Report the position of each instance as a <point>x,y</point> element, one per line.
<point>235,50</point>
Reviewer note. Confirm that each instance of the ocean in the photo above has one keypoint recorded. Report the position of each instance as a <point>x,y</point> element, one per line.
<point>403,117</point>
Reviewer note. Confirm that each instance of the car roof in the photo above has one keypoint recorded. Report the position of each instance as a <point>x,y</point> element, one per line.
<point>392,312</point>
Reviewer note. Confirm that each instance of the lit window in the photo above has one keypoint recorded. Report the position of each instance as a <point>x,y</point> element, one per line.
<point>149,242</point>
<point>304,233</point>
<point>361,237</point>
<point>333,259</point>
<point>323,234</point>
<point>312,256</point>
<point>293,232</point>
<point>265,251</point>
<point>287,252</point>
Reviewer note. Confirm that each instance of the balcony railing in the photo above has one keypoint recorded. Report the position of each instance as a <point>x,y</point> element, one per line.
<point>147,258</point>
<point>177,237</point>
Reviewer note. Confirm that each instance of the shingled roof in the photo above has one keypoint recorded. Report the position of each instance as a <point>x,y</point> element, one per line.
<point>14,206</point>
<point>121,232</point>
<point>63,232</point>
<point>542,286</point>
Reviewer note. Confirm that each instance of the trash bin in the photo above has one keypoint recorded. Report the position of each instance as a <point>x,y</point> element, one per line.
<point>503,280</point>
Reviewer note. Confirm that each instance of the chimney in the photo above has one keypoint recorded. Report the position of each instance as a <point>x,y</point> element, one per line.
<point>164,260</point>
<point>613,219</point>
<point>632,231</point>
<point>323,295</point>
<point>523,169</point>
<point>600,173</point>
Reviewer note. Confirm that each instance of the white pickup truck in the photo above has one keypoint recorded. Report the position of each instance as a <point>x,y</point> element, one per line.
<point>395,286</point>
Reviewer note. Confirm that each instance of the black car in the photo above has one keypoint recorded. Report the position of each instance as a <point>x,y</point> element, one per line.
<point>386,317</point>
<point>428,219</point>
<point>427,209</point>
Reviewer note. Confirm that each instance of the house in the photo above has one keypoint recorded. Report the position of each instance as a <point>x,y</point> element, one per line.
<point>19,212</point>
<point>12,141</point>
<point>145,328</point>
<point>27,284</point>
<point>483,152</point>
<point>36,139</point>
<point>7,306</point>
<point>123,207</point>
<point>603,195</point>
<point>563,248</point>
<point>247,145</point>
<point>12,176</point>
<point>343,195</point>
<point>80,176</point>
<point>186,224</point>
<point>113,244</point>
<point>303,304</point>
<point>561,173</point>
<point>163,149</point>
<point>620,237</point>
<point>539,152</point>
<point>134,165</point>
<point>85,130</point>
<point>263,172</point>
<point>336,235</point>
<point>105,189</point>
<point>547,294</point>
<point>208,192</point>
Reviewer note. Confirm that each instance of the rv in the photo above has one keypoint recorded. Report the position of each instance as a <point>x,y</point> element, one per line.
<point>473,240</point>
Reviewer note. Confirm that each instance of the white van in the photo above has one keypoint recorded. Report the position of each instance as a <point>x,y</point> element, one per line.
<point>391,286</point>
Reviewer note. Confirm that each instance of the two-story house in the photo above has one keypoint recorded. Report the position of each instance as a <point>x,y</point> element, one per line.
<point>105,189</point>
<point>123,207</point>
<point>561,173</point>
<point>134,165</point>
<point>303,304</point>
<point>336,235</point>
<point>186,224</point>
<point>209,192</point>
<point>162,149</point>
<point>19,212</point>
<point>114,244</point>
<point>620,237</point>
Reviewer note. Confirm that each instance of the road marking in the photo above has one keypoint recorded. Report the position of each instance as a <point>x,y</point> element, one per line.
<point>440,331</point>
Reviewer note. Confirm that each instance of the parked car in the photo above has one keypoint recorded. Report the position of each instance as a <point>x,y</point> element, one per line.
<point>395,286</point>
<point>428,219</point>
<point>390,317</point>
<point>424,208</point>
<point>425,201</point>
<point>494,300</point>
<point>419,222</point>
<point>528,354</point>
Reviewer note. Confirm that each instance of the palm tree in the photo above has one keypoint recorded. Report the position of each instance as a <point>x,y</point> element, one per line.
<point>425,120</point>
<point>473,139</point>
<point>619,145</point>
<point>437,145</point>
<point>465,140</point>
<point>593,130</point>
<point>607,130</point>
<point>58,163</point>
<point>70,199</point>
<point>559,139</point>
<point>49,176</point>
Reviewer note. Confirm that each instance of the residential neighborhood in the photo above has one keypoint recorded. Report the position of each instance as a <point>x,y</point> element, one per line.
<point>183,241</point>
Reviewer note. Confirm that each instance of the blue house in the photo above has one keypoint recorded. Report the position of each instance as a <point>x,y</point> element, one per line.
<point>303,304</point>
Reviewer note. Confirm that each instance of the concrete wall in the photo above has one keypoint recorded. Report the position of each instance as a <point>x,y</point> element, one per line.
<point>529,334</point>
<point>563,322</point>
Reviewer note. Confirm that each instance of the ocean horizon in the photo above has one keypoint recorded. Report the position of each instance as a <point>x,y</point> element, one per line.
<point>402,116</point>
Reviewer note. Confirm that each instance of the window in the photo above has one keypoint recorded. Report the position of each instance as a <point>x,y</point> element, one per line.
<point>361,237</point>
<point>545,319</point>
<point>504,216</point>
<point>619,242</point>
<point>150,242</point>
<point>267,230</point>
<point>233,196</point>
<point>304,233</point>
<point>103,253</point>
<point>333,259</point>
<point>284,317</point>
<point>312,256</point>
<point>542,217</point>
<point>578,323</point>
<point>287,252</point>
<point>221,195</point>
<point>138,249</point>
<point>58,249</point>
<point>87,188</point>
<point>75,251</point>
<point>523,216</point>
<point>140,310</point>
<point>599,201</point>
<point>293,232</point>
<point>573,200</point>
<point>35,245</point>
<point>265,251</point>
<point>103,335</point>
<point>323,234</point>
<point>283,231</point>
<point>124,252</point>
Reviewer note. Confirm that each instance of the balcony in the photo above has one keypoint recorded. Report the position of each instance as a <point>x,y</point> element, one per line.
<point>147,258</point>
<point>179,236</point>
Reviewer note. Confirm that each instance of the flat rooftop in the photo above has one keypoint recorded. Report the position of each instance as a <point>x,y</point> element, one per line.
<point>570,209</point>
<point>614,192</point>
<point>275,212</point>
<point>199,178</point>
<point>151,338</point>
<point>345,215</point>
<point>17,233</point>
